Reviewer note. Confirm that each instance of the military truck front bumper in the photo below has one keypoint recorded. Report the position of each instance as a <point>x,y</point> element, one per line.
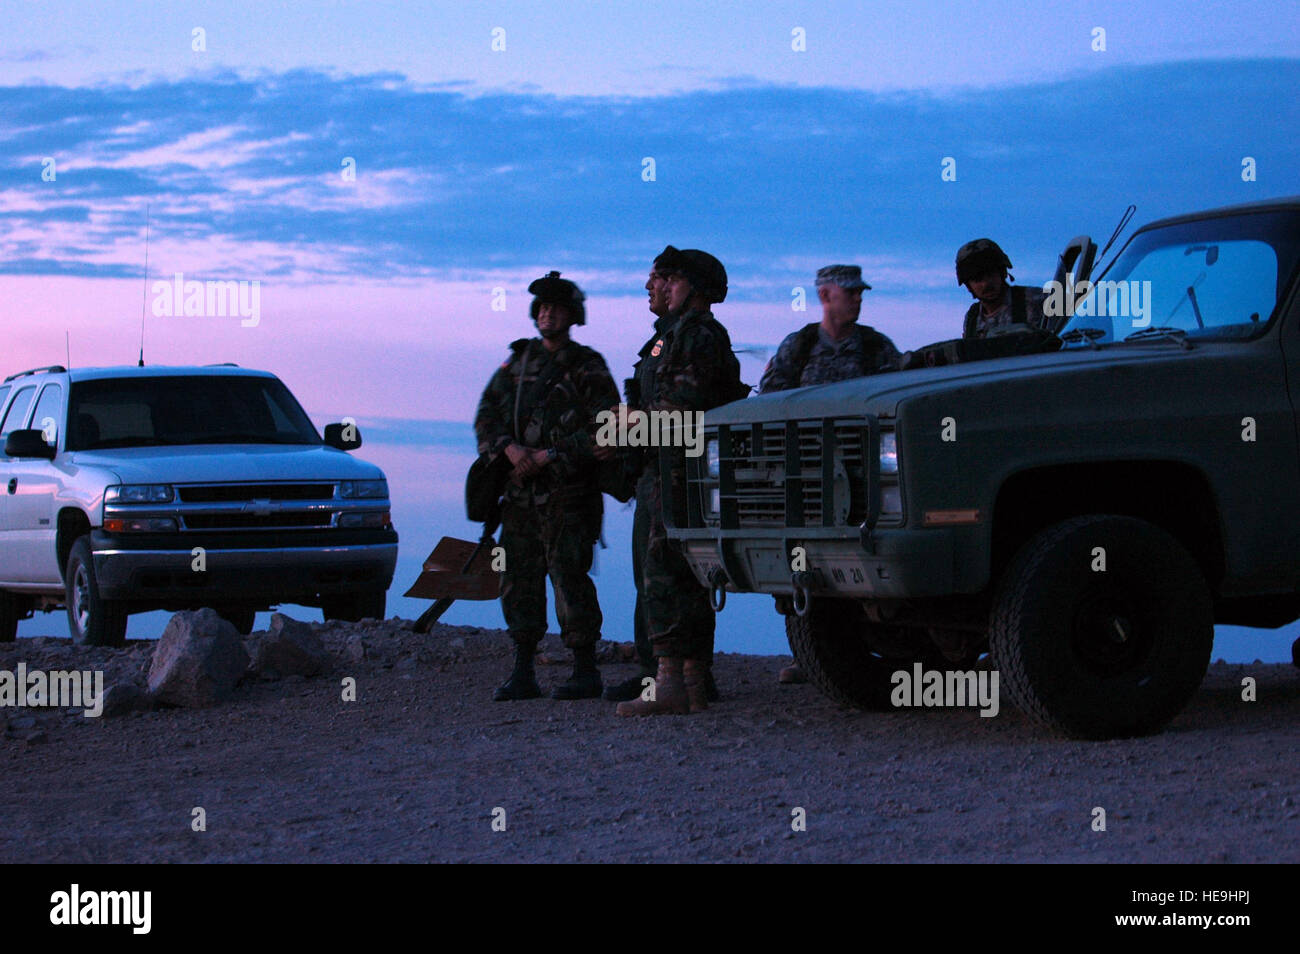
<point>881,564</point>
<point>301,571</point>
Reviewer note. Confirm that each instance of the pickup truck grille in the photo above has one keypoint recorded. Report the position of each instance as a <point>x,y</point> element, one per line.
<point>244,521</point>
<point>783,477</point>
<point>226,493</point>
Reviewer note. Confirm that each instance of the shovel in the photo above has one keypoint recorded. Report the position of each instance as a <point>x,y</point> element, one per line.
<point>455,570</point>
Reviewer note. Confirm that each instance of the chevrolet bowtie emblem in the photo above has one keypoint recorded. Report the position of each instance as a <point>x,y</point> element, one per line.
<point>260,508</point>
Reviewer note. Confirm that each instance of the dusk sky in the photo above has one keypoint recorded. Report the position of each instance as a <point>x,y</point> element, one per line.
<point>782,137</point>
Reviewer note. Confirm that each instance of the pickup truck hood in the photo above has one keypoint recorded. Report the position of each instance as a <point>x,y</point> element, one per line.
<point>218,463</point>
<point>880,394</point>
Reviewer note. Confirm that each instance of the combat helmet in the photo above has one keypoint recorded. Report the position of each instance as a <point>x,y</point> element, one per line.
<point>705,273</point>
<point>978,257</point>
<point>552,289</point>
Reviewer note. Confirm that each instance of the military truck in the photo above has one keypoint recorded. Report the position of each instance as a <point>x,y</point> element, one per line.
<point>1083,515</point>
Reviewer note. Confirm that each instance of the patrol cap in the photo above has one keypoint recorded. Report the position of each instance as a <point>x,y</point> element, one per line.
<point>978,257</point>
<point>702,270</point>
<point>554,290</point>
<point>846,276</point>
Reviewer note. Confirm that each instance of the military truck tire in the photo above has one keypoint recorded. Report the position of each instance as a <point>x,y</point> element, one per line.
<point>10,613</point>
<point>92,620</point>
<point>1102,653</point>
<point>352,609</point>
<point>831,645</point>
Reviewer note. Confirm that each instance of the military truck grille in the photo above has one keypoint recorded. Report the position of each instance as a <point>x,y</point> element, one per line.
<point>776,485</point>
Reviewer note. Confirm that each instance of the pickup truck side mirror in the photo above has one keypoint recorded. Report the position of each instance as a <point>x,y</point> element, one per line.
<point>28,443</point>
<point>346,437</point>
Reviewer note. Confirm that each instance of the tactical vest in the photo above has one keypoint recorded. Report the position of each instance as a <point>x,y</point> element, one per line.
<point>870,342</point>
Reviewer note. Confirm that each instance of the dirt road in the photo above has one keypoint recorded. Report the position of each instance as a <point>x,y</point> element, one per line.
<point>422,764</point>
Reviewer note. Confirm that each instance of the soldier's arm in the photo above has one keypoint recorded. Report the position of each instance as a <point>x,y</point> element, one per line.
<point>492,427</point>
<point>575,449</point>
<point>890,358</point>
<point>779,374</point>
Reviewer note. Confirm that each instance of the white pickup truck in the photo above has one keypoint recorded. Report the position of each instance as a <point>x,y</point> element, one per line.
<point>124,490</point>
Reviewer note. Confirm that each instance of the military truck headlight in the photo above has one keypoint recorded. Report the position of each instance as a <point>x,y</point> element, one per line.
<point>139,493</point>
<point>363,489</point>
<point>888,453</point>
<point>712,457</point>
<point>715,500</point>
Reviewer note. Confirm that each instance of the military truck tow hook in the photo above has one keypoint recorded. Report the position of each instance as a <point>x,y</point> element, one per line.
<point>718,589</point>
<point>802,598</point>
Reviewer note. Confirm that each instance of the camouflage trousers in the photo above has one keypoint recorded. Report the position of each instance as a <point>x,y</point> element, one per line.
<point>554,538</point>
<point>676,606</point>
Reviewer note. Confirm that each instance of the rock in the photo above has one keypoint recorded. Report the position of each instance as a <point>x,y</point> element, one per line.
<point>355,649</point>
<point>290,648</point>
<point>198,661</point>
<point>123,697</point>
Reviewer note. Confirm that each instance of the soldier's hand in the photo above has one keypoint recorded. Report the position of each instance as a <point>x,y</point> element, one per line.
<point>540,458</point>
<point>516,453</point>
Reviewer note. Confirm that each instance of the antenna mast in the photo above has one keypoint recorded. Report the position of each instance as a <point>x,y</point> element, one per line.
<point>144,292</point>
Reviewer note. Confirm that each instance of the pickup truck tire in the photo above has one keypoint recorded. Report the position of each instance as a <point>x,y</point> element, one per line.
<point>831,645</point>
<point>10,613</point>
<point>352,609</point>
<point>1102,653</point>
<point>92,620</point>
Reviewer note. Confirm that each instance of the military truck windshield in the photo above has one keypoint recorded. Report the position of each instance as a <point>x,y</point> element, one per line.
<point>1218,277</point>
<point>199,409</point>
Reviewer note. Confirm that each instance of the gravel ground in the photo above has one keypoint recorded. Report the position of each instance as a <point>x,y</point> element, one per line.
<point>423,762</point>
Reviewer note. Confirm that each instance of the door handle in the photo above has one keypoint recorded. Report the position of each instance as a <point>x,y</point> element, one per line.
<point>13,485</point>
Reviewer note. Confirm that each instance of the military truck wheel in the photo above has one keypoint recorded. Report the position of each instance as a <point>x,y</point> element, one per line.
<point>831,645</point>
<point>10,613</point>
<point>354,608</point>
<point>1102,653</point>
<point>92,620</point>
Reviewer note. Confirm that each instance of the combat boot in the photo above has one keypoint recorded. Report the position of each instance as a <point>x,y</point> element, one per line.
<point>669,693</point>
<point>522,683</point>
<point>695,674</point>
<point>628,689</point>
<point>585,681</point>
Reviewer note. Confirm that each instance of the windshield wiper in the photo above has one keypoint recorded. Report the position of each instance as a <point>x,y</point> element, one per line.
<point>1177,335</point>
<point>1089,335</point>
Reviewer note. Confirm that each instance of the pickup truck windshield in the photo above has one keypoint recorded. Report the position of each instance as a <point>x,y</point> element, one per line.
<point>179,410</point>
<point>1218,277</point>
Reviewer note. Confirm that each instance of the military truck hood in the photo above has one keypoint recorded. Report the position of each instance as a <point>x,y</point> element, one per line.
<point>223,463</point>
<point>881,394</point>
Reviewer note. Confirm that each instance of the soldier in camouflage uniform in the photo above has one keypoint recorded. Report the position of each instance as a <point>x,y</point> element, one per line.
<point>999,307</point>
<point>835,349</point>
<point>687,365</point>
<point>539,410</point>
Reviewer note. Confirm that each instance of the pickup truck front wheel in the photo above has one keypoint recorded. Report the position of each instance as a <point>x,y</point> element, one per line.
<point>93,620</point>
<point>1102,627</point>
<point>10,613</point>
<point>353,609</point>
<point>832,645</point>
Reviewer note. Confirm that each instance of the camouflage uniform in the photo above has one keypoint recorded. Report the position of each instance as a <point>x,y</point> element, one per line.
<point>863,351</point>
<point>1020,306</point>
<point>687,365</point>
<point>549,522</point>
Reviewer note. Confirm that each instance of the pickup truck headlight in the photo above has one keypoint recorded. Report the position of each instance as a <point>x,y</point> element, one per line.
<point>369,519</point>
<point>139,493</point>
<point>363,489</point>
<point>712,457</point>
<point>888,453</point>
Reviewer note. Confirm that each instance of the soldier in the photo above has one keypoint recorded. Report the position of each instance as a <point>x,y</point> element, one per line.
<point>832,350</point>
<point>687,365</point>
<point>539,410</point>
<point>631,687</point>
<point>999,307</point>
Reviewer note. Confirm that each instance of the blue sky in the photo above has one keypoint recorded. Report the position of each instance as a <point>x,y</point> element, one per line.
<point>478,170</point>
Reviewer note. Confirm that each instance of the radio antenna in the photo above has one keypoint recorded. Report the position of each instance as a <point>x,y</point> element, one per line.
<point>67,345</point>
<point>144,292</point>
